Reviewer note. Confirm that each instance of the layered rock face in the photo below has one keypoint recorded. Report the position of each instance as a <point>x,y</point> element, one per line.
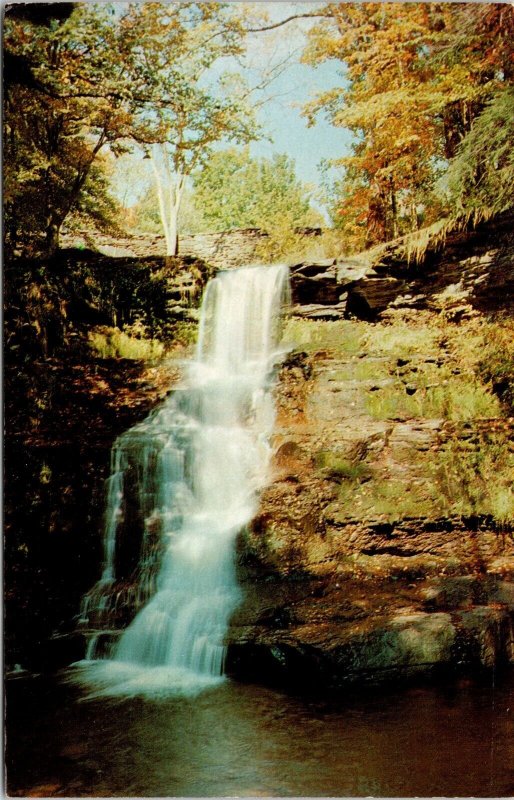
<point>364,562</point>
<point>472,269</point>
<point>223,250</point>
<point>64,406</point>
<point>383,548</point>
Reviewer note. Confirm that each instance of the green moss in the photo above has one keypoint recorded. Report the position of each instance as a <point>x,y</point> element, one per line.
<point>362,369</point>
<point>476,478</point>
<point>432,369</point>
<point>459,400</point>
<point>393,500</point>
<point>464,477</point>
<point>402,339</point>
<point>340,468</point>
<point>185,333</point>
<point>496,361</point>
<point>311,335</point>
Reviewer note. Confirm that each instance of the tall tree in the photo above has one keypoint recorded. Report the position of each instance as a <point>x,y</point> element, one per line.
<point>237,191</point>
<point>107,76</point>
<point>416,76</point>
<point>56,123</point>
<point>179,48</point>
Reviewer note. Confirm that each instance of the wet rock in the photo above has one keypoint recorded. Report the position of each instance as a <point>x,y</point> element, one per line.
<point>486,636</point>
<point>354,631</point>
<point>320,311</point>
<point>406,645</point>
<point>314,283</point>
<point>388,584</point>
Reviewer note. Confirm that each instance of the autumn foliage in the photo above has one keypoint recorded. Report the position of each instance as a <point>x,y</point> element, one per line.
<point>417,79</point>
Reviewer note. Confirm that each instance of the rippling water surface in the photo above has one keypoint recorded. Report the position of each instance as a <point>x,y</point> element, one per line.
<point>245,740</point>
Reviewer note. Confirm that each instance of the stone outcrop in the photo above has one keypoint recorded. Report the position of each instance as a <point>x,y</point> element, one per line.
<point>48,304</point>
<point>356,568</point>
<point>473,271</point>
<point>64,406</point>
<point>61,421</point>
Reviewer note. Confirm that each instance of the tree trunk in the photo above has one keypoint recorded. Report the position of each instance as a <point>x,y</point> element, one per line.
<point>394,210</point>
<point>173,232</point>
<point>169,194</point>
<point>54,219</point>
<point>53,230</point>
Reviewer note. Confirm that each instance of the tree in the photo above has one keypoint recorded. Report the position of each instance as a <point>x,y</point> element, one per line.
<point>59,119</point>
<point>195,105</point>
<point>416,76</point>
<point>144,216</point>
<point>237,191</point>
<point>481,175</point>
<point>108,76</point>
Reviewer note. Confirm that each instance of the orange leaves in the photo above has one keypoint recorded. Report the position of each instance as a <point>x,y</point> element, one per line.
<point>416,76</point>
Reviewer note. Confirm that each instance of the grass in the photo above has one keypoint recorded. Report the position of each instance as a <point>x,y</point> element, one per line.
<point>478,478</point>
<point>449,372</point>
<point>115,343</point>
<point>428,369</point>
<point>465,478</point>
<point>393,500</point>
<point>496,359</point>
<point>355,337</point>
<point>402,339</point>
<point>458,401</point>
<point>362,369</point>
<point>415,245</point>
<point>340,337</point>
<point>185,333</point>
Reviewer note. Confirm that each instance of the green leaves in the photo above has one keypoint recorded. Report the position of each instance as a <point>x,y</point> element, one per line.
<point>481,176</point>
<point>107,76</point>
<point>235,190</point>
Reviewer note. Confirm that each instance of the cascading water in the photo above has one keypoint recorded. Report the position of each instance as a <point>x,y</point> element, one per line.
<point>188,476</point>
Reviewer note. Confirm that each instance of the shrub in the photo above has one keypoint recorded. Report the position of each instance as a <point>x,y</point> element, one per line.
<point>114,343</point>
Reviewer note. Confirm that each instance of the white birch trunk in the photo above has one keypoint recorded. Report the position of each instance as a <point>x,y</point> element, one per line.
<point>169,195</point>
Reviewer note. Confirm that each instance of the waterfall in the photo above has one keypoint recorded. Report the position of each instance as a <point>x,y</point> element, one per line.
<point>187,479</point>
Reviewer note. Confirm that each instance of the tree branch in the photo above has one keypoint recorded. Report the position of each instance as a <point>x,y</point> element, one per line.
<point>325,14</point>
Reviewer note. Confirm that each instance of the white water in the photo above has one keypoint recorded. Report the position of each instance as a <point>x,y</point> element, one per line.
<point>195,468</point>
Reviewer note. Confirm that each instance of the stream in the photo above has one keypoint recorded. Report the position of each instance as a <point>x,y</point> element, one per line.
<point>245,740</point>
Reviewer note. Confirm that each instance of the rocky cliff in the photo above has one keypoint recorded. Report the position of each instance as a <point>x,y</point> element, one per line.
<point>466,269</point>
<point>222,250</point>
<point>384,548</point>
<point>68,394</point>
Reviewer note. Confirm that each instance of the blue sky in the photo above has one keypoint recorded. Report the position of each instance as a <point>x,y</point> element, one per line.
<point>281,116</point>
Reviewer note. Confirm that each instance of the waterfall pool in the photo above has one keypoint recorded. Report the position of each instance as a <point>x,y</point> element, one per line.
<point>245,740</point>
